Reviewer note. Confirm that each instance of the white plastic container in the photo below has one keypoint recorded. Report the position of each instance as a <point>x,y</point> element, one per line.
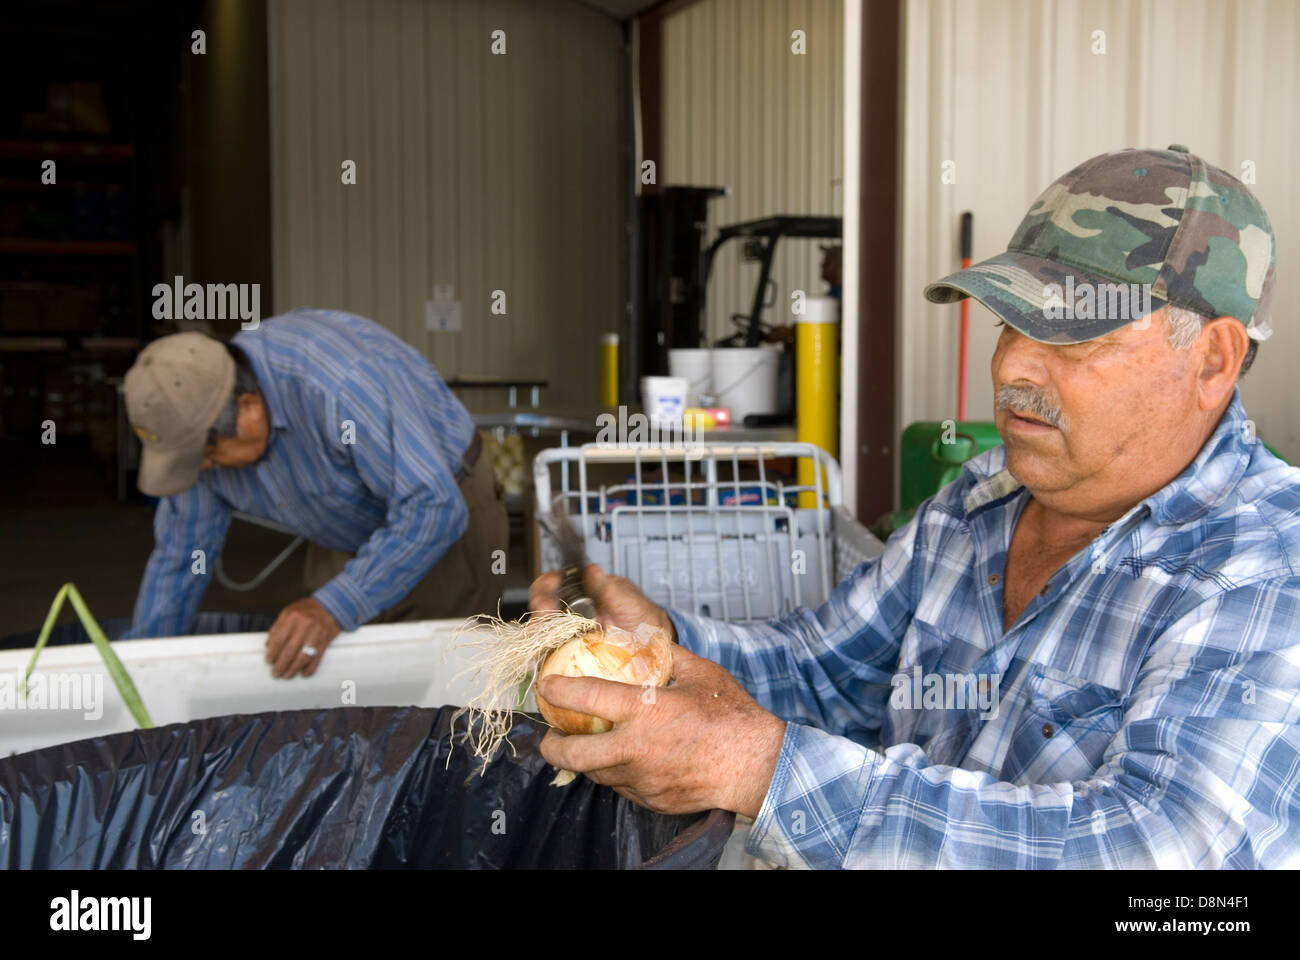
<point>189,678</point>
<point>696,366</point>
<point>744,380</point>
<point>664,398</point>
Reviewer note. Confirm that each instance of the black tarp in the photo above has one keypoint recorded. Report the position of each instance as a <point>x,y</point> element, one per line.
<point>351,787</point>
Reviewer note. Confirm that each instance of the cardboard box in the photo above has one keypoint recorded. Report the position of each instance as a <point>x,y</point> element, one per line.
<point>20,307</point>
<point>71,310</point>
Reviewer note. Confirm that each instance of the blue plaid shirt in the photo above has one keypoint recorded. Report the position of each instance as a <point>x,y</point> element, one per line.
<point>365,441</point>
<point>1142,712</point>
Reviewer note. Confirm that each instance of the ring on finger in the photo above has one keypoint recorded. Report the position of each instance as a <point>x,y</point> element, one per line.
<point>309,651</point>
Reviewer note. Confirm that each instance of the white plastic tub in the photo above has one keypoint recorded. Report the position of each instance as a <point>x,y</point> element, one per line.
<point>189,678</point>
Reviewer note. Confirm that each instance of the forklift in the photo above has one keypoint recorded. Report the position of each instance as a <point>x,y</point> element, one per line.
<point>674,268</point>
<point>759,244</point>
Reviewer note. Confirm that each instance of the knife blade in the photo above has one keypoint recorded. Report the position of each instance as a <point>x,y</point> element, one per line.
<point>573,559</point>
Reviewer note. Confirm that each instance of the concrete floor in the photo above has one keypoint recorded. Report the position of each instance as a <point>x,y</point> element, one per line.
<point>59,522</point>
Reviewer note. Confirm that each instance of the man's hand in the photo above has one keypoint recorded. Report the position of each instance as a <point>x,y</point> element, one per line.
<point>699,744</point>
<point>619,603</point>
<point>298,638</point>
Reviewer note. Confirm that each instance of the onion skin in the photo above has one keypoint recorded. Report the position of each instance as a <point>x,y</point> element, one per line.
<point>610,654</point>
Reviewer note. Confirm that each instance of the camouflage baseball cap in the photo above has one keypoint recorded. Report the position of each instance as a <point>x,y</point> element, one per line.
<point>1122,235</point>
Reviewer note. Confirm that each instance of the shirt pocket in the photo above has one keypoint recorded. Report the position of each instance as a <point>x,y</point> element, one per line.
<point>943,729</point>
<point>1067,724</point>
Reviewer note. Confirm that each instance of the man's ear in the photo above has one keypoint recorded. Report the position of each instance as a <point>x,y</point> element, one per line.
<point>251,408</point>
<point>1224,344</point>
<point>253,423</point>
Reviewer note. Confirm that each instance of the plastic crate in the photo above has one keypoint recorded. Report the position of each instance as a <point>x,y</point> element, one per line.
<point>717,532</point>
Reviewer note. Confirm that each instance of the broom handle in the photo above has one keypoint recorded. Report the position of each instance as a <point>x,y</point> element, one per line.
<point>966,227</point>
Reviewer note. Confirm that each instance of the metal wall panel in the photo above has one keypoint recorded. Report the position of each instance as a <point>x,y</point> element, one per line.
<point>486,172</point>
<point>1011,91</point>
<point>741,110</point>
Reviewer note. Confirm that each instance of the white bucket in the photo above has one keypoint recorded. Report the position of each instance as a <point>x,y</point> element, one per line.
<point>664,398</point>
<point>744,380</point>
<point>696,365</point>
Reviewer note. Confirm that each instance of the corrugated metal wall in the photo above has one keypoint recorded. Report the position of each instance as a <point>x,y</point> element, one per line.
<point>740,110</point>
<point>486,172</point>
<point>1010,91</point>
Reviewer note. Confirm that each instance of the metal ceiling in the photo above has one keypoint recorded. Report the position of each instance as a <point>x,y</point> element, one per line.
<point>621,9</point>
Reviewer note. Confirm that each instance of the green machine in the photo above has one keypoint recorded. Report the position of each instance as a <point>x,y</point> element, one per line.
<point>930,458</point>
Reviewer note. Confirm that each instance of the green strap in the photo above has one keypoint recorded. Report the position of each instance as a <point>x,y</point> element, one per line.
<point>121,678</point>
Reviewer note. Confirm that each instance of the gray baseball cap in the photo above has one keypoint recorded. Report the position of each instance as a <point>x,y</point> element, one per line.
<point>175,391</point>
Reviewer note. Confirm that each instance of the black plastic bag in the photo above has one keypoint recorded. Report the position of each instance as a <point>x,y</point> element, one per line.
<point>352,787</point>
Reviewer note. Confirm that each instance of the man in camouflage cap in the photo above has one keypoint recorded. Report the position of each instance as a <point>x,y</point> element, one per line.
<point>1097,406</point>
<point>1085,651</point>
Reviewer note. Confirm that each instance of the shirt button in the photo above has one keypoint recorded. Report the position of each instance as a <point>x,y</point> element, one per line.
<point>283,505</point>
<point>1047,730</point>
<point>993,579</point>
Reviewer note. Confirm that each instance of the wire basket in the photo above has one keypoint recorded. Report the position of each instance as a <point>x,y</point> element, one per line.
<point>716,529</point>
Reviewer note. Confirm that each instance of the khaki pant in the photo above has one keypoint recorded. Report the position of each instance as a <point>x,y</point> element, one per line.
<point>462,582</point>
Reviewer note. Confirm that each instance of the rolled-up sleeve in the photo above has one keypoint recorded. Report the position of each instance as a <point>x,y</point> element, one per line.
<point>1201,772</point>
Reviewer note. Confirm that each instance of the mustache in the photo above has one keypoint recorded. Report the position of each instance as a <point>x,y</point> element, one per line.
<point>1031,401</point>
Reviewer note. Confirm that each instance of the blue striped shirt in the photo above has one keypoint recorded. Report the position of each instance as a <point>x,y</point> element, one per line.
<point>1145,708</point>
<point>365,440</point>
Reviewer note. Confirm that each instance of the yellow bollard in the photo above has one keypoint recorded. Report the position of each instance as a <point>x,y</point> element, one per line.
<point>817,386</point>
<point>609,369</point>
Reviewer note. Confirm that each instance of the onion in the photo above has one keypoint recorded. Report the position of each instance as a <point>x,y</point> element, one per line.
<point>610,654</point>
<point>514,655</point>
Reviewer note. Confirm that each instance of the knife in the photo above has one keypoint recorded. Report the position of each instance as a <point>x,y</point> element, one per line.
<point>573,558</point>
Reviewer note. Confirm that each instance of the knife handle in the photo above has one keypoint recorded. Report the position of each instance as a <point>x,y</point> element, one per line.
<point>573,595</point>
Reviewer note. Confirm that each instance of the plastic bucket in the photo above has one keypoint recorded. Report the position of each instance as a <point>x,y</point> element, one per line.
<point>695,365</point>
<point>664,398</point>
<point>744,380</point>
